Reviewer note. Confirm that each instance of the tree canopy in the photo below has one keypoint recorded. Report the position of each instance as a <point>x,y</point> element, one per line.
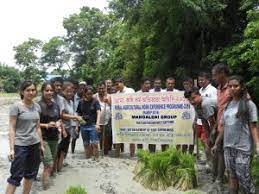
<point>137,38</point>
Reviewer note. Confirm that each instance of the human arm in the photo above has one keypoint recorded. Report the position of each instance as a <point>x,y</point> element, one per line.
<point>40,136</point>
<point>51,124</point>
<point>66,116</point>
<point>254,132</point>
<point>12,125</point>
<point>98,112</point>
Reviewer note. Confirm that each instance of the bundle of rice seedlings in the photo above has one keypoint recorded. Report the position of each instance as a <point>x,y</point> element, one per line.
<point>160,170</point>
<point>154,173</point>
<point>76,190</point>
<point>184,179</point>
<point>143,158</point>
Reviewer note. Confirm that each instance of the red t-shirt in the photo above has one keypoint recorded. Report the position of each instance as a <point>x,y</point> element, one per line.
<point>223,98</point>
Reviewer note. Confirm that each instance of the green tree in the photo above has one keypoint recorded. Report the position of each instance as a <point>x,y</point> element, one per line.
<point>243,57</point>
<point>10,78</point>
<point>174,37</point>
<point>55,54</point>
<point>83,33</point>
<point>27,56</point>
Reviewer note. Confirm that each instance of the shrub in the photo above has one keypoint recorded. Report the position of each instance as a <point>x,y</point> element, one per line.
<point>76,190</point>
<point>255,170</point>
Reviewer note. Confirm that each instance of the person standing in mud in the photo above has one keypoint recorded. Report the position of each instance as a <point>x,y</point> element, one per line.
<point>69,120</point>
<point>239,127</point>
<point>25,139</point>
<point>188,85</point>
<point>89,109</point>
<point>206,110</point>
<point>49,118</point>
<point>77,97</point>
<point>121,88</point>
<point>57,84</point>
<point>220,73</point>
<point>105,118</point>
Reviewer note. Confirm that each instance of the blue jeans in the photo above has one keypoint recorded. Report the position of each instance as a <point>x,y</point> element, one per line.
<point>89,134</point>
<point>25,164</point>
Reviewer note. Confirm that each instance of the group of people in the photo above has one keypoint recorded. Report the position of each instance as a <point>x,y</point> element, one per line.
<point>226,123</point>
<point>227,126</point>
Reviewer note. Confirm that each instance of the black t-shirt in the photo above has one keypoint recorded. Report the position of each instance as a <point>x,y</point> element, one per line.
<point>88,110</point>
<point>49,113</point>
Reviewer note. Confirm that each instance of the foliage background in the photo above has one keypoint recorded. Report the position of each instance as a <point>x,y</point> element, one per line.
<point>137,38</point>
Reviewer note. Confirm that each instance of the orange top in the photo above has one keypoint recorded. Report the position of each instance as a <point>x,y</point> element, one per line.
<point>223,98</point>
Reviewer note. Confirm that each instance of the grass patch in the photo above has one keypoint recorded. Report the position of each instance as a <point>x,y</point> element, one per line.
<point>255,170</point>
<point>2,94</point>
<point>76,190</point>
<point>158,171</point>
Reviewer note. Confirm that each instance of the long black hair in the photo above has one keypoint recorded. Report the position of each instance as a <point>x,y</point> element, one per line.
<point>243,111</point>
<point>44,85</point>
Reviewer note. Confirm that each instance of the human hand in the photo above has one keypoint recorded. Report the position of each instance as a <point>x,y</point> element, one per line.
<point>105,99</point>
<point>98,128</point>
<point>214,150</point>
<point>11,155</point>
<point>77,130</point>
<point>78,118</point>
<point>52,124</point>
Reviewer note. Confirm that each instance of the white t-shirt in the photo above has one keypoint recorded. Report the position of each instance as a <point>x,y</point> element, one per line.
<point>175,90</point>
<point>126,90</point>
<point>105,114</point>
<point>209,92</point>
<point>153,90</point>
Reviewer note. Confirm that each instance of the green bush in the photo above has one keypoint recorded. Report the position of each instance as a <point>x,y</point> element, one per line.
<point>76,190</point>
<point>255,170</point>
<point>160,170</point>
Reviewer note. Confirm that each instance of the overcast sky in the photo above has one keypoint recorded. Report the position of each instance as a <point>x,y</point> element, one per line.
<point>41,19</point>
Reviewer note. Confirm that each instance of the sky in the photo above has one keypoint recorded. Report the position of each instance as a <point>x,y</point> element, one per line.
<point>40,19</point>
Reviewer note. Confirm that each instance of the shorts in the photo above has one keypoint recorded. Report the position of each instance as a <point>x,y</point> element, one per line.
<point>238,165</point>
<point>202,133</point>
<point>64,144</point>
<point>50,152</point>
<point>25,164</point>
<point>89,134</point>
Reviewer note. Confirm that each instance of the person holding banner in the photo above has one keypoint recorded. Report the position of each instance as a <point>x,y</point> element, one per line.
<point>170,84</point>
<point>188,85</point>
<point>121,88</point>
<point>145,87</point>
<point>157,85</point>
